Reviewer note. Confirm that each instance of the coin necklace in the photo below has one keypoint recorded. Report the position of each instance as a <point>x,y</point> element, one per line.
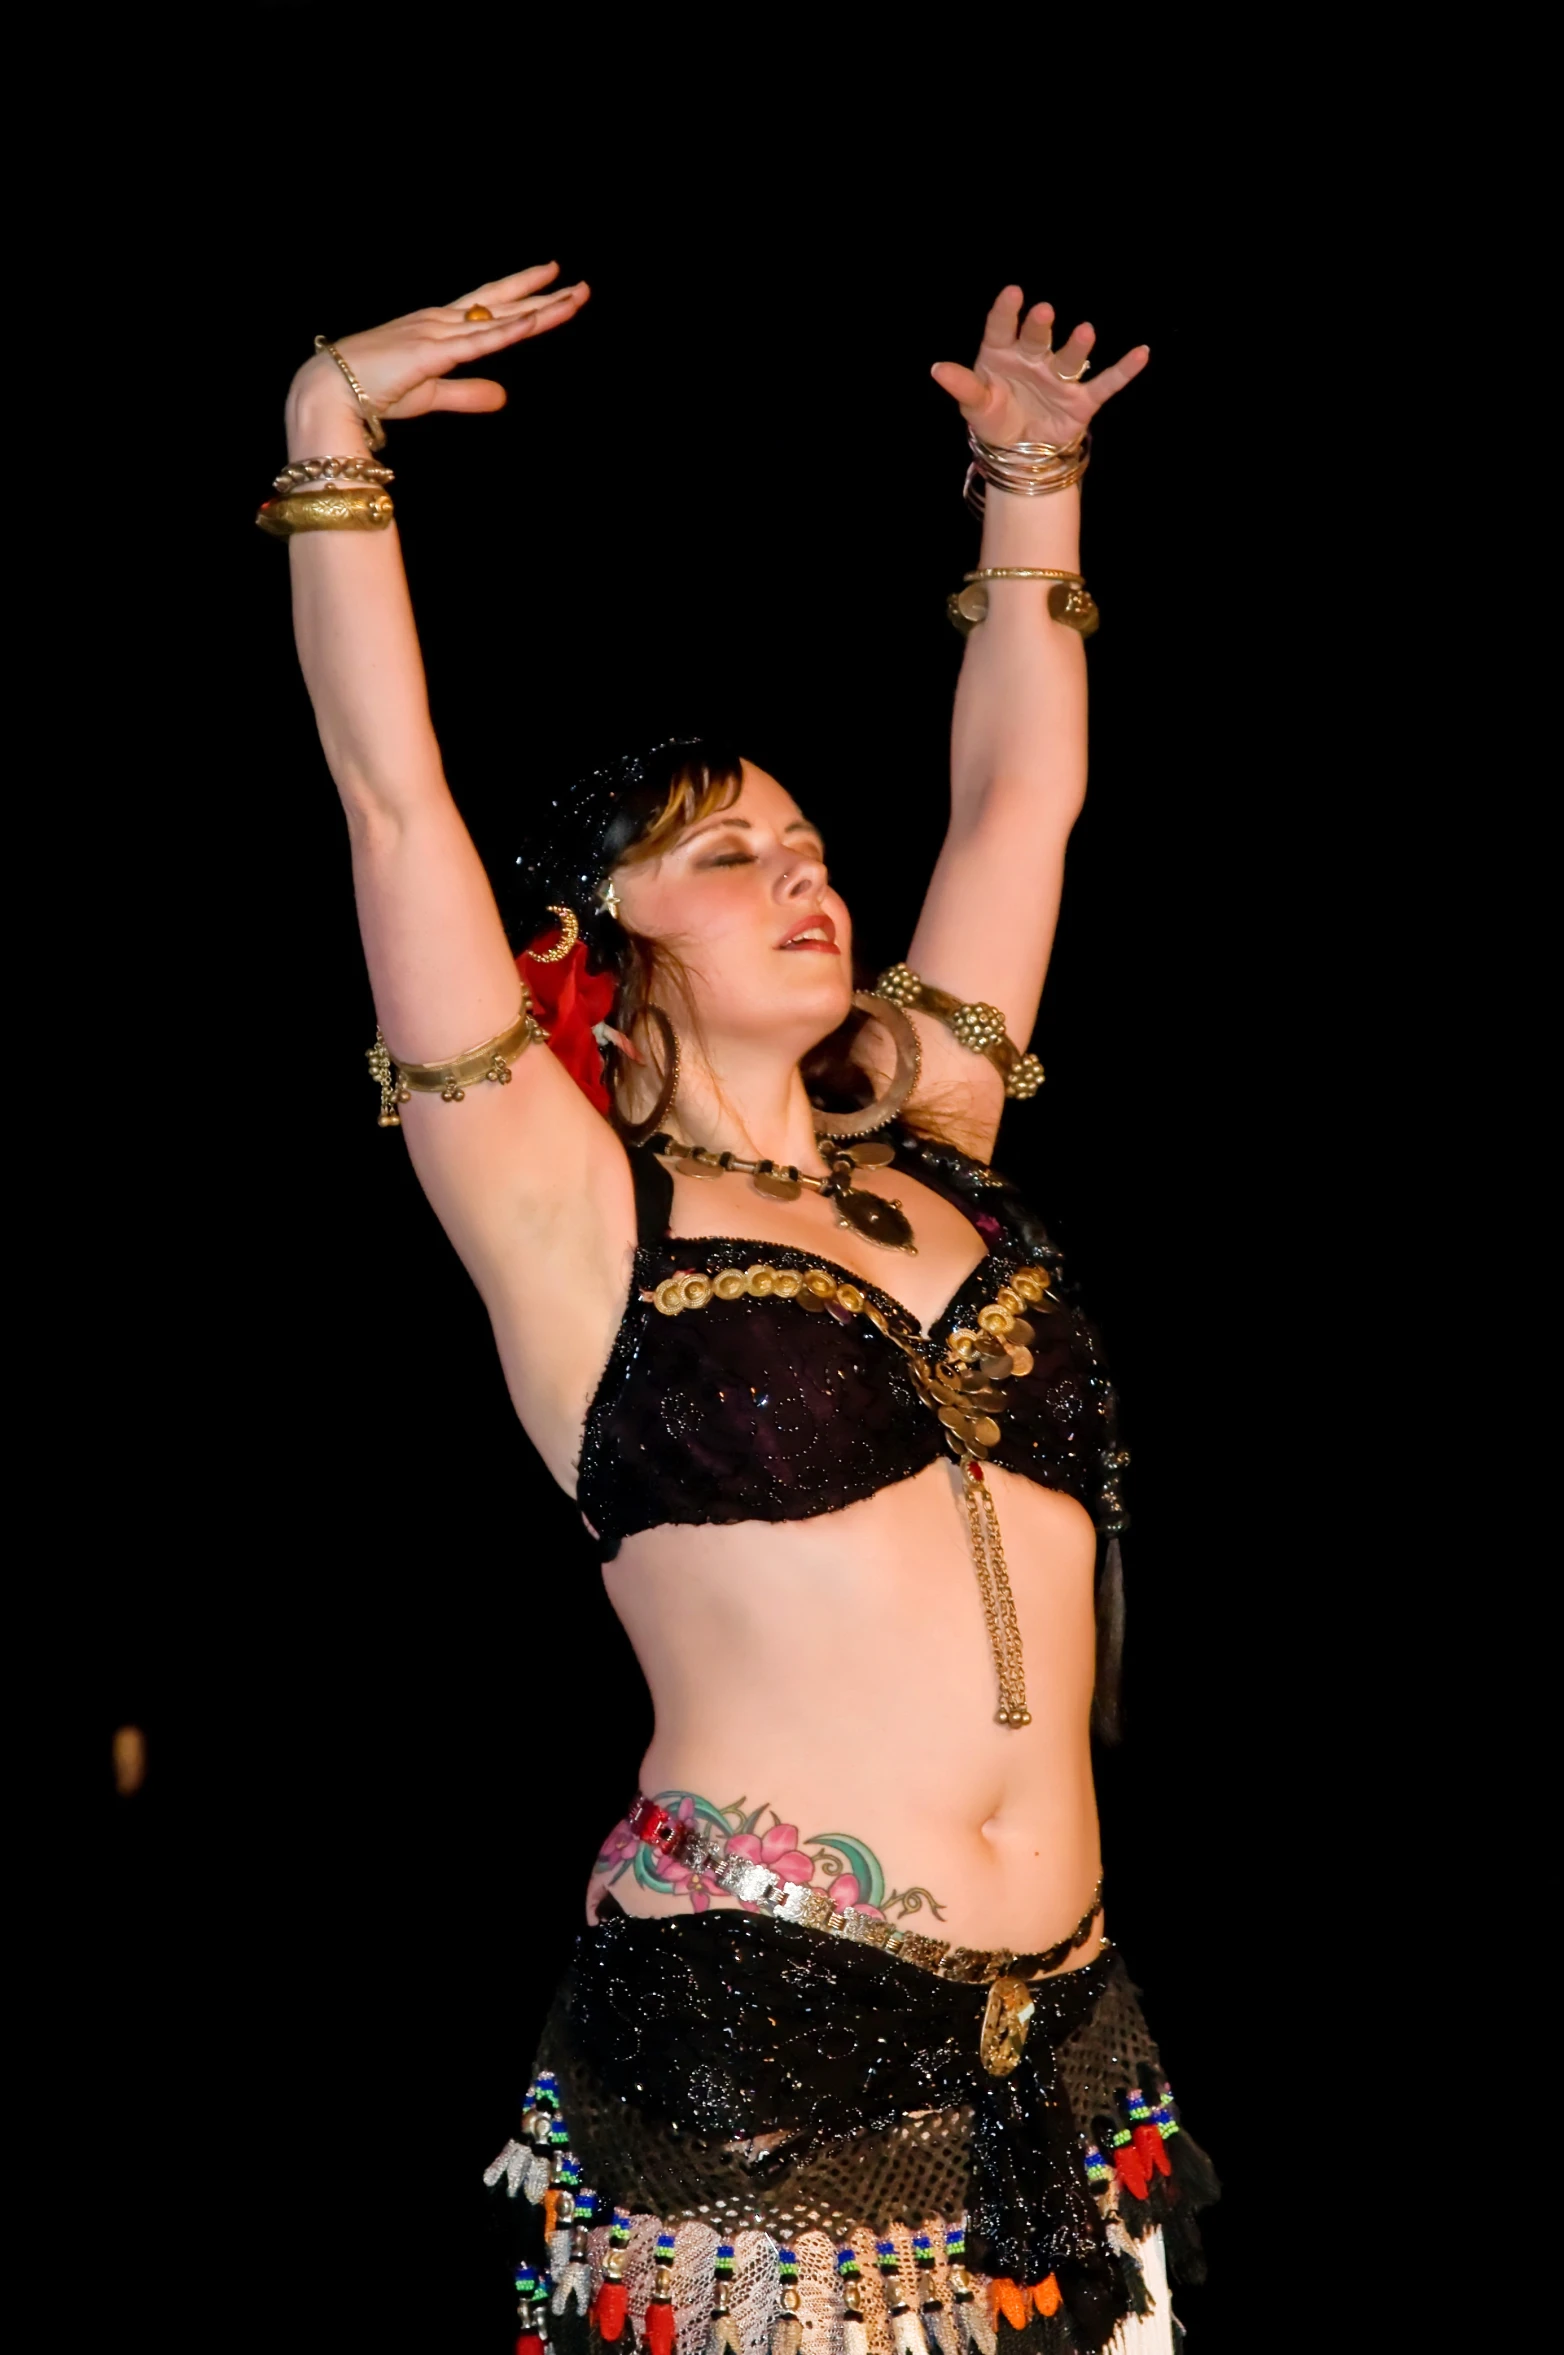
<point>873,1216</point>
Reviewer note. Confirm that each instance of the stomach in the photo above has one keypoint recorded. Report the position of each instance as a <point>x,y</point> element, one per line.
<point>825,1693</point>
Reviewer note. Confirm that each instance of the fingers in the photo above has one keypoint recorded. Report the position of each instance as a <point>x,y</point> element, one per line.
<point>504,315</point>
<point>1037,331</point>
<point>1102,388</point>
<point>468,392</point>
<point>961,383</point>
<point>999,328</point>
<point>1071,357</point>
<point>508,290</point>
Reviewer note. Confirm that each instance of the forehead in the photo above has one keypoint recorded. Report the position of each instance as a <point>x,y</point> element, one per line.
<point>763,801</point>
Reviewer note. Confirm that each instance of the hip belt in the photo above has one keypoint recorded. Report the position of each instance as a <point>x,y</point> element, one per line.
<point>702,1849</point>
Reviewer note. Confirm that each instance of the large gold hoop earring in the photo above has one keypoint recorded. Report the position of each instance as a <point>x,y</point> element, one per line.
<point>909,1064</point>
<point>637,1133</point>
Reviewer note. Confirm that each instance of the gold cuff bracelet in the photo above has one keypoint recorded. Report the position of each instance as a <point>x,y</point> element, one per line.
<point>977,1027</point>
<point>1069,600</point>
<point>326,511</point>
<point>400,1082</point>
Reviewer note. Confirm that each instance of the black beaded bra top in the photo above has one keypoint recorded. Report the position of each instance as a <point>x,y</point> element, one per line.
<point>752,1382</point>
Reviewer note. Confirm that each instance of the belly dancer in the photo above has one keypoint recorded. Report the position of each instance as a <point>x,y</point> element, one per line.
<point>845,2057</point>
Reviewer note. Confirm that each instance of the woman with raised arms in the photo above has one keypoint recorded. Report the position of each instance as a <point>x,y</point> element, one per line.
<point>845,2050</point>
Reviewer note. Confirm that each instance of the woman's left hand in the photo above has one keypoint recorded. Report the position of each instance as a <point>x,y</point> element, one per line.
<point>1018,391</point>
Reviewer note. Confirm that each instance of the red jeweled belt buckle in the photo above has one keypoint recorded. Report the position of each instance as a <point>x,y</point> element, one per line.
<point>654,1825</point>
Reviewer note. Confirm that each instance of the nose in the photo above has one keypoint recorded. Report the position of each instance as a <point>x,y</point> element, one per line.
<point>802,876</point>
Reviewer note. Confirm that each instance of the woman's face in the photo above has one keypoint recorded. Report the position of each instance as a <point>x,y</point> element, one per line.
<point>743,901</point>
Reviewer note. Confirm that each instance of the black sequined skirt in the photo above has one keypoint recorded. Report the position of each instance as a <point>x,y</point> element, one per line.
<point>725,2099</point>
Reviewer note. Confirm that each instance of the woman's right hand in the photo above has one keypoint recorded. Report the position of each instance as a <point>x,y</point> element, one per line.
<point>404,365</point>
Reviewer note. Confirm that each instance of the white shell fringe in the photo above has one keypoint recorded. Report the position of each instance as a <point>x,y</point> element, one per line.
<point>510,2163</point>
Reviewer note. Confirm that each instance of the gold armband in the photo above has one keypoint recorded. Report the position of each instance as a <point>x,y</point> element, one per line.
<point>400,1082</point>
<point>1069,600</point>
<point>978,1028</point>
<point>326,511</point>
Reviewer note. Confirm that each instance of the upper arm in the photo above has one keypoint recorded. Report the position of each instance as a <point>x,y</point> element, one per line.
<point>529,1181</point>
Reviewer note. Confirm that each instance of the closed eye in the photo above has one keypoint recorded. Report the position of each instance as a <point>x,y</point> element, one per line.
<point>730,858</point>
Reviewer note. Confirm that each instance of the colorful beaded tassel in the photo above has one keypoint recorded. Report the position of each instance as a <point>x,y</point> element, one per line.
<point>787,2332</point>
<point>855,2331</point>
<point>532,2312</point>
<point>658,2328</point>
<point>723,2338</point>
<point>974,2325</point>
<point>573,2279</point>
<point>906,2325</point>
<point>612,2302</point>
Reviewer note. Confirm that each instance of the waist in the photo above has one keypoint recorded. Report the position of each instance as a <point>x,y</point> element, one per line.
<point>858,1860</point>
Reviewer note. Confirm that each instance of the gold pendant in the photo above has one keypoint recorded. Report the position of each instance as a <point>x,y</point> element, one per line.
<point>1005,2023</point>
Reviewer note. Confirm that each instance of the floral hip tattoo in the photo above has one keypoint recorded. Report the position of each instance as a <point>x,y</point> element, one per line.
<point>845,1869</point>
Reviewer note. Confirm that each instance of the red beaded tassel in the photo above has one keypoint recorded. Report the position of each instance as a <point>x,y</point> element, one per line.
<point>532,2309</point>
<point>1145,2136</point>
<point>658,2327</point>
<point>612,2303</point>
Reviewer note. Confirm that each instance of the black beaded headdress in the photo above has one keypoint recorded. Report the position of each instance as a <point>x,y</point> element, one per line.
<point>585,831</point>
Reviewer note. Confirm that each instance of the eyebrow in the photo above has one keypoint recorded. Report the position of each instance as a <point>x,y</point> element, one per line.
<point>793,826</point>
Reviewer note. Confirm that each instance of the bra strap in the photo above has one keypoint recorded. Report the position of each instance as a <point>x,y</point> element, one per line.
<point>653,1194</point>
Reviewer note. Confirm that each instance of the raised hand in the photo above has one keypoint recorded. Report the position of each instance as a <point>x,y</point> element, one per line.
<point>404,365</point>
<point>1018,391</point>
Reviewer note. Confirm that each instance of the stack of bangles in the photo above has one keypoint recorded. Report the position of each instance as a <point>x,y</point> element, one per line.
<point>350,494</point>
<point>1025,470</point>
<point>334,494</point>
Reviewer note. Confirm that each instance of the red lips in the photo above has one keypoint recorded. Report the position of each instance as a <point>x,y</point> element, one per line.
<point>819,923</point>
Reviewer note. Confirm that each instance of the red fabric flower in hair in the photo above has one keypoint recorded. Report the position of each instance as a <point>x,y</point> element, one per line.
<point>570,1002</point>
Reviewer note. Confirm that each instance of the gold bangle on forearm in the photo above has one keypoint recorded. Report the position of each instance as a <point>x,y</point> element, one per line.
<point>978,1027</point>
<point>369,415</point>
<point>326,511</point>
<point>400,1082</point>
<point>1069,600</point>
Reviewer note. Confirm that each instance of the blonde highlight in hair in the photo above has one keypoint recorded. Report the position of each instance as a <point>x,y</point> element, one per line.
<point>698,789</point>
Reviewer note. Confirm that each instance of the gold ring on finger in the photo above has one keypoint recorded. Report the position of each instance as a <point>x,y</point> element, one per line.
<point>1076,378</point>
<point>476,312</point>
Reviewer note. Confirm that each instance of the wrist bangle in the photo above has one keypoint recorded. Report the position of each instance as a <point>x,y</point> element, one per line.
<point>1028,470</point>
<point>1069,600</point>
<point>977,1027</point>
<point>326,511</point>
<point>299,473</point>
<point>400,1082</point>
<point>374,431</point>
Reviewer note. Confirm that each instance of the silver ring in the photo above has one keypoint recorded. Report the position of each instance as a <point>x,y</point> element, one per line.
<point>1076,378</point>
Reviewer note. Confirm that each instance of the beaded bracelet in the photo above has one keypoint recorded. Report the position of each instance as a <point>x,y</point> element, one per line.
<point>978,1027</point>
<point>300,471</point>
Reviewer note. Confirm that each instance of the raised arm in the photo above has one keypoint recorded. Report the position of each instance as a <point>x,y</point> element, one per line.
<point>528,1181</point>
<point>1018,755</point>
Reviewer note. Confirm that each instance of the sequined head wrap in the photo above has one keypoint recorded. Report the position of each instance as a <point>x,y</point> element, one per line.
<point>579,839</point>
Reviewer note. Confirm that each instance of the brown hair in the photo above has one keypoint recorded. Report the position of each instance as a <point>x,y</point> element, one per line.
<point>704,779</point>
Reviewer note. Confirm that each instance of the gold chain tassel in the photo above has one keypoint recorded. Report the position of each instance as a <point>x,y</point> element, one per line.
<point>999,1607</point>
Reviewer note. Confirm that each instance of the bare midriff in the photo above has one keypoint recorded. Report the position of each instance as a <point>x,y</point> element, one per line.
<point>837,1673</point>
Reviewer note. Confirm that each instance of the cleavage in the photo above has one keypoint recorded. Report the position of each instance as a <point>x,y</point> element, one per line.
<point>950,1249</point>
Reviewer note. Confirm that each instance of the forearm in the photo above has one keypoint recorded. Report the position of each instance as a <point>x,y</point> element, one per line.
<point>353,622</point>
<point>1020,718</point>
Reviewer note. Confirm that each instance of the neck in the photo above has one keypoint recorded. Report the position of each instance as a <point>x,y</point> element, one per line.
<point>747,1104</point>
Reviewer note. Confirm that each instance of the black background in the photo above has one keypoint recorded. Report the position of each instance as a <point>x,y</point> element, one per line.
<point>388,1712</point>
